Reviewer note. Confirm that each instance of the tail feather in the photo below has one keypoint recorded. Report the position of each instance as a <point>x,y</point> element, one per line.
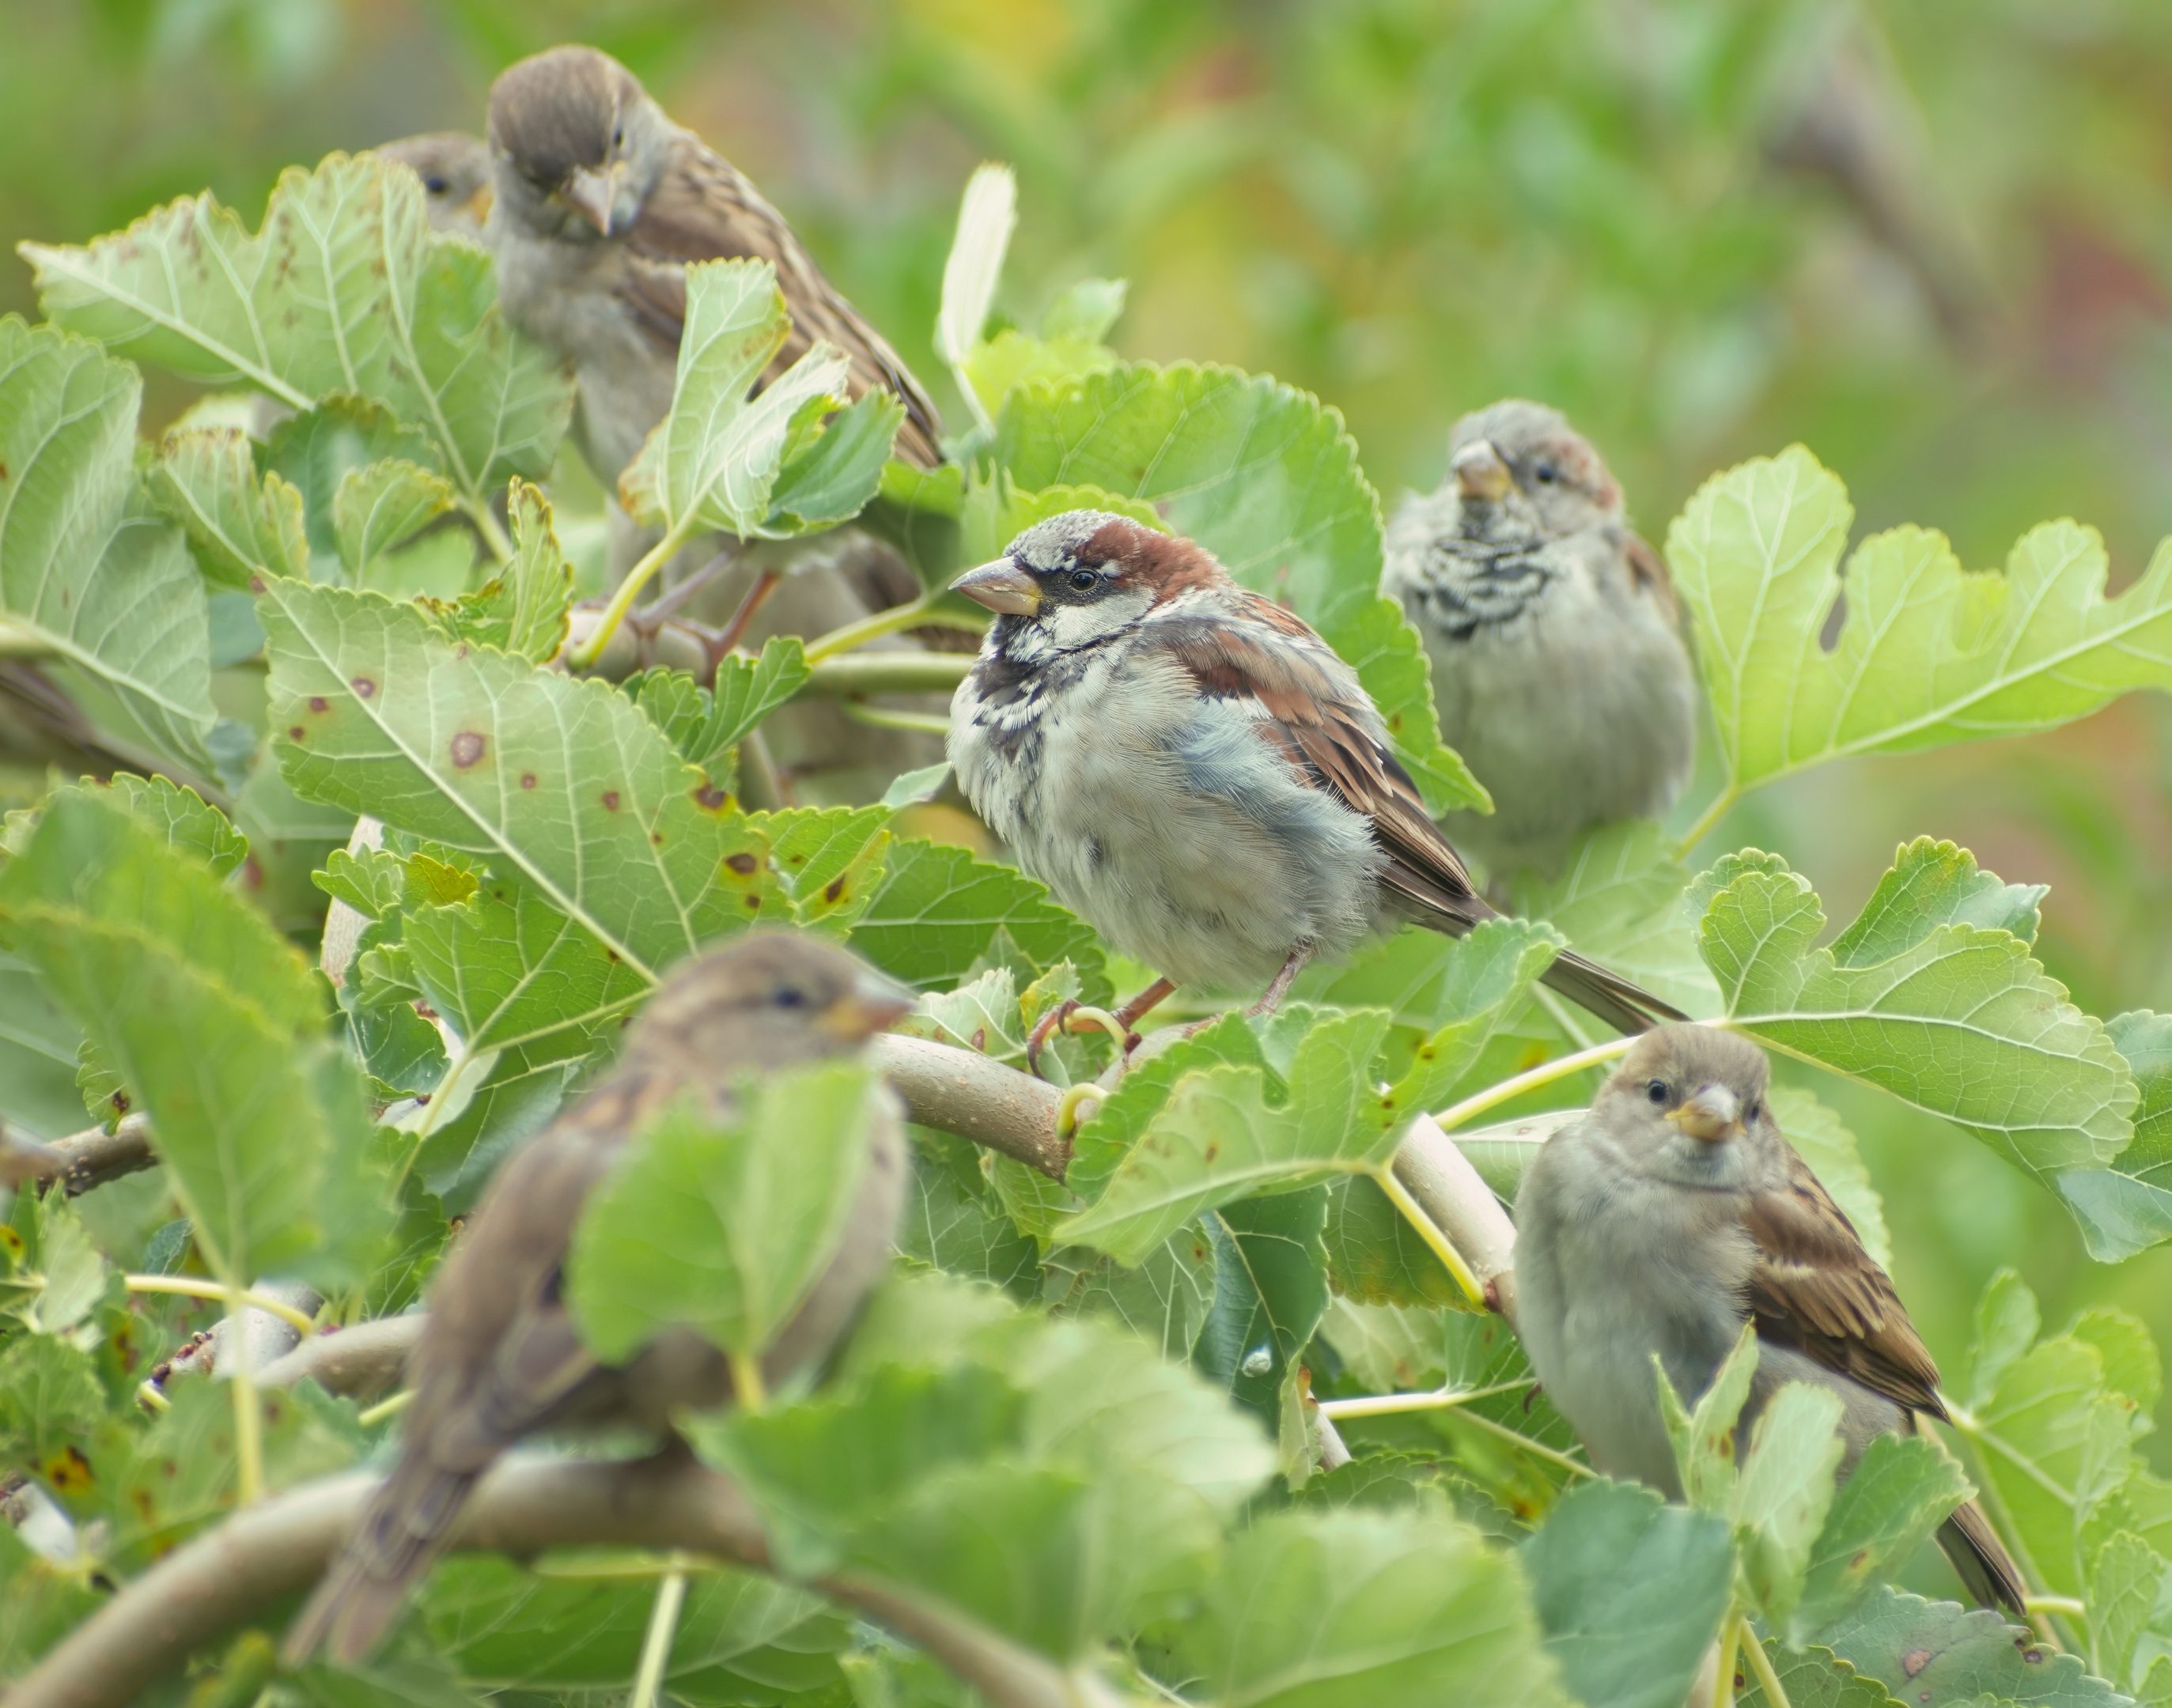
<point>1622,1004</point>
<point>399,1537</point>
<point>1981,1559</point>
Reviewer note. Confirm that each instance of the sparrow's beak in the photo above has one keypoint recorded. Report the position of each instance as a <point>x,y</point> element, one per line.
<point>1713,1115</point>
<point>873,1003</point>
<point>477,206</point>
<point>1003,587</point>
<point>1480,473</point>
<point>594,195</point>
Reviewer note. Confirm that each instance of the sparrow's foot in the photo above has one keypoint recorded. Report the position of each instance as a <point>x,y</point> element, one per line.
<point>1299,957</point>
<point>1122,1025</point>
<point>1037,1040</point>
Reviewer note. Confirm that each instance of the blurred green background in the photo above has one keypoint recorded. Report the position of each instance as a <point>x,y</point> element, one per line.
<point>1933,241</point>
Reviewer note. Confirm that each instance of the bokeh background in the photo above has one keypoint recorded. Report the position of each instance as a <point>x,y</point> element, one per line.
<point>1932,240</point>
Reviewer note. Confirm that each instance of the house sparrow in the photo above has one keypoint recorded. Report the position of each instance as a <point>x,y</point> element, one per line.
<point>601,201</point>
<point>1196,773</point>
<point>1669,1216</point>
<point>455,167</point>
<point>499,1358</point>
<point>1558,661</point>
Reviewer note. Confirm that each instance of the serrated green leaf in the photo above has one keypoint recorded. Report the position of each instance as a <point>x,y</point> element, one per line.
<point>345,290</point>
<point>88,571</point>
<point>1822,1141</point>
<point>1925,655</point>
<point>522,609</point>
<point>1265,477</point>
<point>181,818</point>
<point>952,1223</point>
<point>38,1046</point>
<point>1165,1301</point>
<point>939,908</point>
<point>1813,1677</point>
<point>830,859</point>
<point>1107,1135</point>
<point>1898,1493</point>
<point>373,883</point>
<point>1375,1257</point>
<point>51,1401</point>
<point>1269,1293</point>
<point>2125,1578</point>
<point>723,1226</point>
<point>1630,1592</point>
<point>1784,1492</point>
<point>2127,1207</point>
<point>1487,974</point>
<point>1217,1139</point>
<point>240,528</point>
<point>1334,1610</point>
<point>1619,900</point>
<point>1935,1654</point>
<point>384,506</point>
<point>748,690</point>
<point>1960,1021</point>
<point>831,480</point>
<point>317,449</point>
<point>216,1025</point>
<point>45,1603</point>
<point>1705,1440</point>
<point>2007,1320</point>
<point>556,778</point>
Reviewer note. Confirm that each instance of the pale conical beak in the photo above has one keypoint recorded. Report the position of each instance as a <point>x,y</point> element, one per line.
<point>1003,587</point>
<point>875,1001</point>
<point>1713,1115</point>
<point>594,195</point>
<point>1480,473</point>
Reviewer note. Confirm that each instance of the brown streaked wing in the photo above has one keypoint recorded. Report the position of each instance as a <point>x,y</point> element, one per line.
<point>1648,569</point>
<point>1815,1287</point>
<point>702,208</point>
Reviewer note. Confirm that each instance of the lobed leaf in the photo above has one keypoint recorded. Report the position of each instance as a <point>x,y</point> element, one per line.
<point>1937,1653</point>
<point>240,528</point>
<point>384,506</point>
<point>938,910</point>
<point>1900,1491</point>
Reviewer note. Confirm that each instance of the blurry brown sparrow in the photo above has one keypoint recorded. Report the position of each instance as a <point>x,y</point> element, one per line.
<point>601,202</point>
<point>1197,774</point>
<point>499,1358</point>
<point>455,167</point>
<point>1672,1214</point>
<point>1558,661</point>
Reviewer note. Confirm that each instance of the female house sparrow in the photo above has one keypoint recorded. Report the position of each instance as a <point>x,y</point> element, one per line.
<point>601,202</point>
<point>1196,773</point>
<point>1558,662</point>
<point>499,1359</point>
<point>455,167</point>
<point>1668,1217</point>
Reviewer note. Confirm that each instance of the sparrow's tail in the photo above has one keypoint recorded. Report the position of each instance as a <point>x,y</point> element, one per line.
<point>1627,1006</point>
<point>1981,1559</point>
<point>398,1539</point>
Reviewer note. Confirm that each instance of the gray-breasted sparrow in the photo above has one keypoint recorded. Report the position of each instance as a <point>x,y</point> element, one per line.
<point>499,1359</point>
<point>601,202</point>
<point>1558,661</point>
<point>1196,773</point>
<point>1672,1214</point>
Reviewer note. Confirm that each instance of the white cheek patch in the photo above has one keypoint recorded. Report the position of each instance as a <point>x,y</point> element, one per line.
<point>1070,626</point>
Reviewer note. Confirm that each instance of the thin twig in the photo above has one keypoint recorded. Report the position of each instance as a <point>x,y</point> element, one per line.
<point>1396,1404</point>
<point>1451,1259</point>
<point>248,1420</point>
<point>656,1643</point>
<point>191,1286</point>
<point>585,655</point>
<point>1776,1693</point>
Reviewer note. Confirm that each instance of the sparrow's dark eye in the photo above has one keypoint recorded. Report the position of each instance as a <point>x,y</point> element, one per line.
<point>1545,474</point>
<point>1749,1113</point>
<point>435,185</point>
<point>1657,1091</point>
<point>788,996</point>
<point>618,137</point>
<point>1084,580</point>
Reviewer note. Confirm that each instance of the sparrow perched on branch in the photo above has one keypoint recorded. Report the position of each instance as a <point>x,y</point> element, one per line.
<point>455,167</point>
<point>1197,774</point>
<point>601,202</point>
<point>1558,661</point>
<point>499,1358</point>
<point>1671,1215</point>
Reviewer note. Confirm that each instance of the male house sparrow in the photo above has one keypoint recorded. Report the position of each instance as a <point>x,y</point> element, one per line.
<point>1558,662</point>
<point>1196,773</point>
<point>499,1359</point>
<point>601,202</point>
<point>1672,1214</point>
<point>455,167</point>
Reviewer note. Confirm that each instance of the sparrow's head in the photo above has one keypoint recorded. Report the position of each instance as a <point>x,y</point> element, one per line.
<point>1081,577</point>
<point>1688,1104</point>
<point>1515,446</point>
<point>577,142</point>
<point>764,1000</point>
<point>454,168</point>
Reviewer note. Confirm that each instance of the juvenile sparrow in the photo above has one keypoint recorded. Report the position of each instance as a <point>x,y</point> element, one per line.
<point>1558,662</point>
<point>601,201</point>
<point>499,1359</point>
<point>1196,773</point>
<point>1665,1219</point>
<point>455,167</point>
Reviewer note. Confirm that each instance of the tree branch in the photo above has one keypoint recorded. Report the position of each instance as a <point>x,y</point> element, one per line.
<point>1461,1205</point>
<point>222,1579</point>
<point>362,1361</point>
<point>86,1159</point>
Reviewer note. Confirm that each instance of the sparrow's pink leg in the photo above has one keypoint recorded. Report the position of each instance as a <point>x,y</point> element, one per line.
<point>1282,981</point>
<point>1125,1017</point>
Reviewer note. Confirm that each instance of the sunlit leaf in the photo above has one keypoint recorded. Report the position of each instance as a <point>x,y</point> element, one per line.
<point>239,527</point>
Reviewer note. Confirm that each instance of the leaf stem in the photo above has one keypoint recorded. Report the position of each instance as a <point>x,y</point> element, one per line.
<point>586,654</point>
<point>1775,1692</point>
<point>1545,1073</point>
<point>1451,1259</point>
<point>913,614</point>
<point>656,1646</point>
<point>247,1422</point>
<point>2066,1604</point>
<point>889,673</point>
<point>1537,1449</point>
<point>1707,821</point>
<point>1395,1404</point>
<point>189,1287</point>
<point>1730,1639</point>
<point>882,717</point>
<point>391,1406</point>
<point>747,1386</point>
<point>478,511</point>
